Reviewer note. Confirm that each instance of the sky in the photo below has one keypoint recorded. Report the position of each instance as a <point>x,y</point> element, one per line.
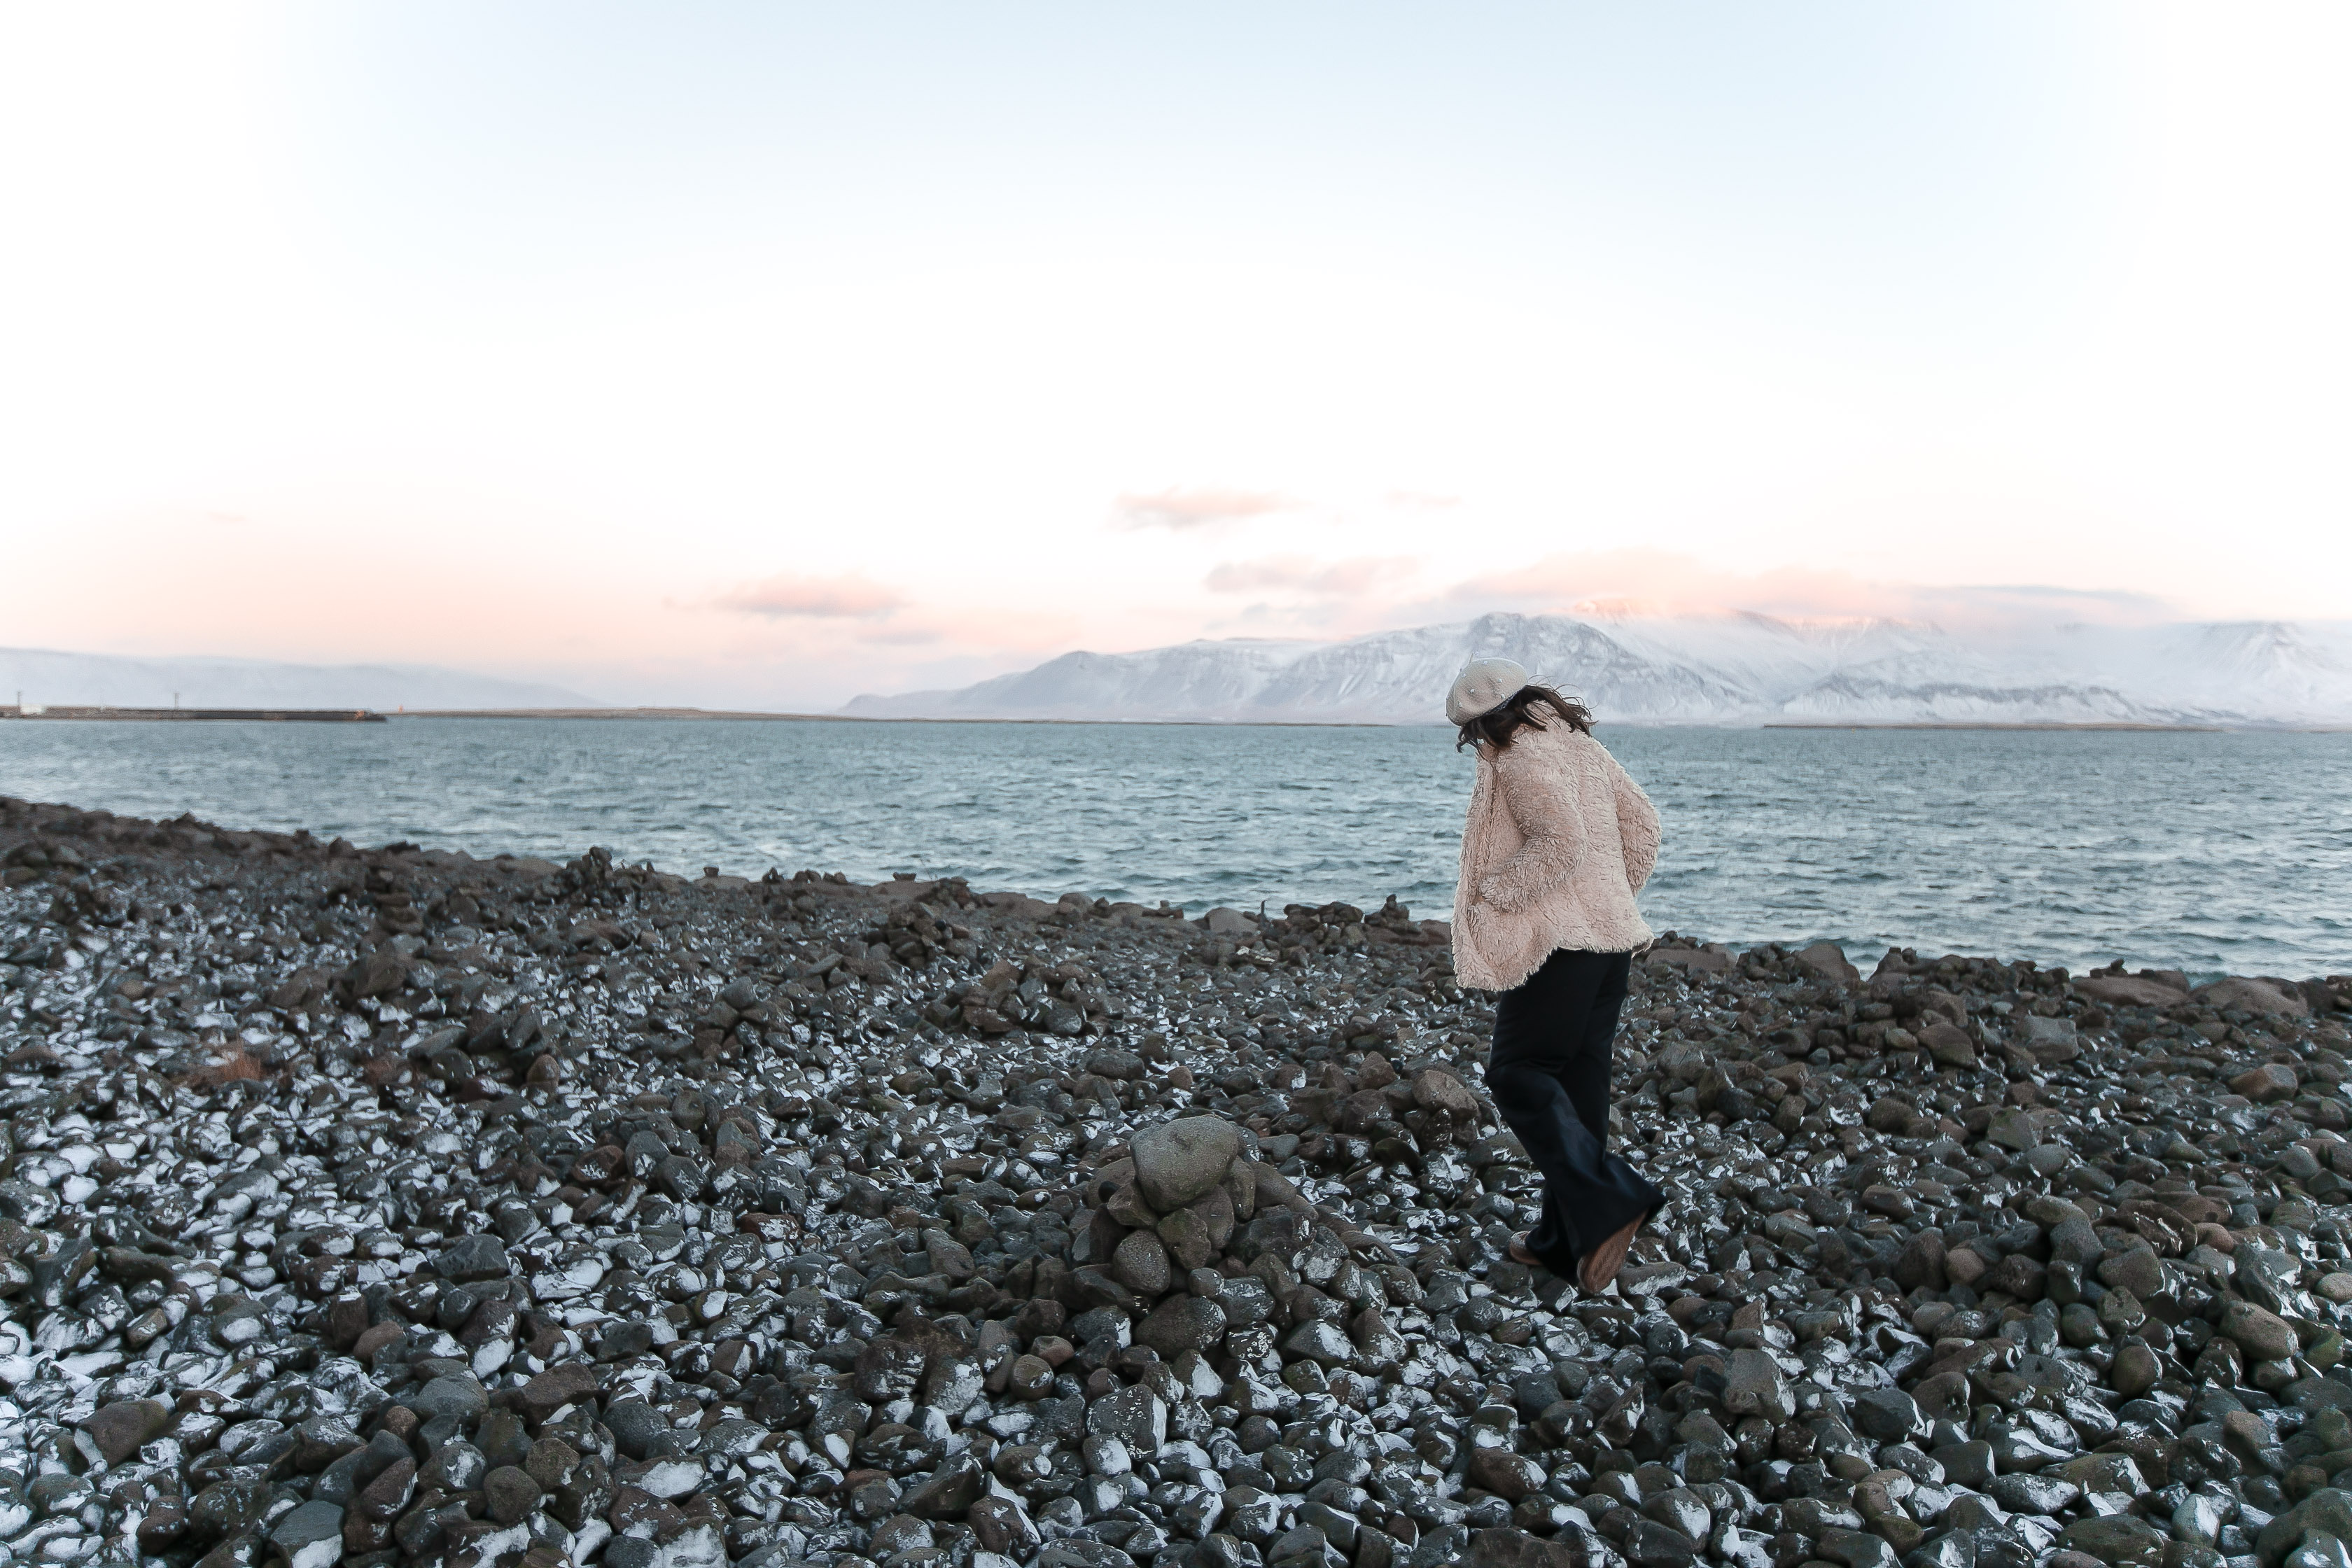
<point>766,354</point>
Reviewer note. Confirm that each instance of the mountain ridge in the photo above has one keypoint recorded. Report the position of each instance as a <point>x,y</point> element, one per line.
<point>114,680</point>
<point>1736,669</point>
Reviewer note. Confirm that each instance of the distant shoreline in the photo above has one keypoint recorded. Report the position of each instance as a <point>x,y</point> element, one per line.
<point>1988,724</point>
<point>701,714</point>
<point>86,712</point>
<point>692,715</point>
<point>82,713</point>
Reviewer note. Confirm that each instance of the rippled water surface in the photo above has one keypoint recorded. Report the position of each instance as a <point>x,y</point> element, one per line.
<point>2209,852</point>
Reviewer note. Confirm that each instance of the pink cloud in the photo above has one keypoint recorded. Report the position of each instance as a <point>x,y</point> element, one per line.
<point>1180,507</point>
<point>1301,573</point>
<point>1637,582</point>
<point>787,593</point>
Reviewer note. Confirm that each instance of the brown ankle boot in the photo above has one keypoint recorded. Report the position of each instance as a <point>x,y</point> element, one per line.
<point>1599,1266</point>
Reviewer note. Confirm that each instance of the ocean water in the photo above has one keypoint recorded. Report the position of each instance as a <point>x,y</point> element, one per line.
<point>2209,852</point>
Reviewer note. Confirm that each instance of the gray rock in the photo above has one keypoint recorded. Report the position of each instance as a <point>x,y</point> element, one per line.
<point>1141,1262</point>
<point>1968,1464</point>
<point>472,1257</point>
<point>1754,1386</point>
<point>121,1428</point>
<point>1321,1342</point>
<point>1856,1548</point>
<point>2198,1521</point>
<point>1507,1475</point>
<point>2117,1539</point>
<point>310,1535</point>
<point>458,1395</point>
<point>1446,1543</point>
<point>2263,1336</point>
<point>2327,1512</point>
<point>2135,1270</point>
<point>1888,1415</point>
<point>2035,1494</point>
<point>1177,1161</point>
<point>1683,1509</point>
<point>1181,1323</point>
<point>948,1491</point>
<point>1650,1544</point>
<point>1134,1414</point>
<point>510,1494</point>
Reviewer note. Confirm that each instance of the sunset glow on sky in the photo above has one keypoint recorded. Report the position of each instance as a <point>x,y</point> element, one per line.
<point>766,354</point>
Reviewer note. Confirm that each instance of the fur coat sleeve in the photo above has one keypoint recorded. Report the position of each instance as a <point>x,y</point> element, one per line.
<point>1637,827</point>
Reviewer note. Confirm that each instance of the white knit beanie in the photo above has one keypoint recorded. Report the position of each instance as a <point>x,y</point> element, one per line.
<point>1483,685</point>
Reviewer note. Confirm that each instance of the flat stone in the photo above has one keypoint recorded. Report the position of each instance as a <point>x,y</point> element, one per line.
<point>121,1428</point>
<point>2013,1128</point>
<point>1508,1547</point>
<point>1508,1476</point>
<point>1650,1544</point>
<point>2128,991</point>
<point>472,1257</point>
<point>2022,1449</point>
<point>2266,1085</point>
<point>2035,1494</point>
<point>1856,1549</point>
<point>1181,1323</point>
<point>948,1491</point>
<point>310,1535</point>
<point>1888,1415</point>
<point>2253,997</point>
<point>2040,1031</point>
<point>550,1391</point>
<point>2116,1540</point>
<point>2263,1336</point>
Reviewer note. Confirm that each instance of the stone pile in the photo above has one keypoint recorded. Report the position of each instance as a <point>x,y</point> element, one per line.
<point>395,1206</point>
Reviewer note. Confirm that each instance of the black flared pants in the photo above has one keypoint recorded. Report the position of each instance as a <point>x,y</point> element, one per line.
<point>1550,1078</point>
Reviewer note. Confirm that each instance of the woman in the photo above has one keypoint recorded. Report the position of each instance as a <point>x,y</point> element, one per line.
<point>1557,842</point>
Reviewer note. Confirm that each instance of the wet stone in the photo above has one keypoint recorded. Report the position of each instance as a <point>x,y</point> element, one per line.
<point>578,1212</point>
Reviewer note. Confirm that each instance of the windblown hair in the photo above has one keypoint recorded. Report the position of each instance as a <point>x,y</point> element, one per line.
<point>1525,707</point>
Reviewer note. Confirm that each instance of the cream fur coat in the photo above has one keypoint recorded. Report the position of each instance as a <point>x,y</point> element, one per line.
<point>1558,841</point>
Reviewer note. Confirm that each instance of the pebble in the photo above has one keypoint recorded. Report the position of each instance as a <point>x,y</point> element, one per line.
<point>391,1205</point>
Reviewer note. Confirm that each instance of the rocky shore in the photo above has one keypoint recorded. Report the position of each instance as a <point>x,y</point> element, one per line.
<point>392,1206</point>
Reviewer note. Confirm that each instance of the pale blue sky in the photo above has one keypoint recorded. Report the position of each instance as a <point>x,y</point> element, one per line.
<point>769,352</point>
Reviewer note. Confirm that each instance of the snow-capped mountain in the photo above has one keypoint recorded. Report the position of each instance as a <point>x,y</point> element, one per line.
<point>1736,669</point>
<point>94,679</point>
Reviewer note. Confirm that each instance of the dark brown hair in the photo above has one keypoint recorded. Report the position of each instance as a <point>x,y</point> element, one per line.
<point>1497,725</point>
